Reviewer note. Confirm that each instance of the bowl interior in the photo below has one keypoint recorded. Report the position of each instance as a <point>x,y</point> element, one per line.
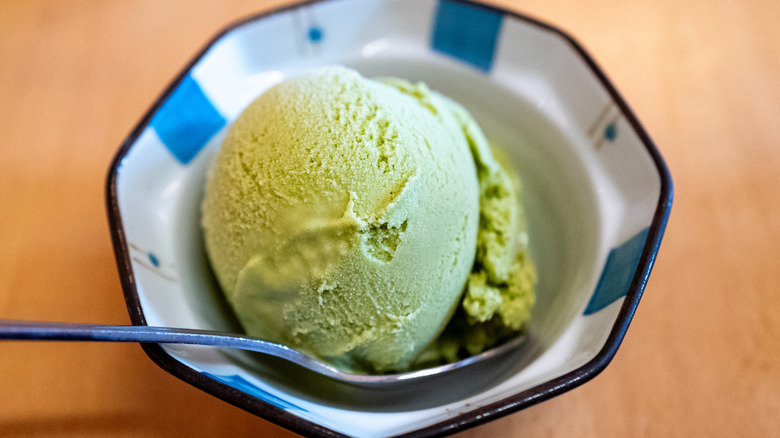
<point>586,190</point>
<point>564,220</point>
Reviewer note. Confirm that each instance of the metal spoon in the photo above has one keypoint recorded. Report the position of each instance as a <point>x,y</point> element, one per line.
<point>57,331</point>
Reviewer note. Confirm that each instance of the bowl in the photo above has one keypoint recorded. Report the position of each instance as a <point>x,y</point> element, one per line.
<point>596,191</point>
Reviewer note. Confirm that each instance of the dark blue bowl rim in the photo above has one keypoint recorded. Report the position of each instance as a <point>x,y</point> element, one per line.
<point>465,420</point>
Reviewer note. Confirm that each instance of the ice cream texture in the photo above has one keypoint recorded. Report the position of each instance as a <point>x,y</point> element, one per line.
<point>351,218</point>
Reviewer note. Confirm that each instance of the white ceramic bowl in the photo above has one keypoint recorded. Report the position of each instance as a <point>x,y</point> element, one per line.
<point>597,195</point>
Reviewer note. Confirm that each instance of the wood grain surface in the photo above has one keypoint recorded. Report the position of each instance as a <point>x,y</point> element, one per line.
<point>702,357</point>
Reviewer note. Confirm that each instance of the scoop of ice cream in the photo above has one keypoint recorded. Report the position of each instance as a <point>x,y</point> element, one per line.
<point>499,294</point>
<point>341,216</point>
<point>349,217</point>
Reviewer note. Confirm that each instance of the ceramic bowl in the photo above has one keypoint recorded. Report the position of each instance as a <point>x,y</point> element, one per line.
<point>596,189</point>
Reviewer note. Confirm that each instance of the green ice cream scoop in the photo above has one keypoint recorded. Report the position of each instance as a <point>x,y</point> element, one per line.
<point>341,217</point>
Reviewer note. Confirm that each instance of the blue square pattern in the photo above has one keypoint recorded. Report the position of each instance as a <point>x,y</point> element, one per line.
<point>618,272</point>
<point>466,32</point>
<point>243,385</point>
<point>187,120</point>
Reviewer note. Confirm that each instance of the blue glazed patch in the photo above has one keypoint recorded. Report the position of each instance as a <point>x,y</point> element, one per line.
<point>466,32</point>
<point>154,260</point>
<point>187,120</point>
<point>610,132</point>
<point>618,272</point>
<point>242,384</point>
<point>315,34</point>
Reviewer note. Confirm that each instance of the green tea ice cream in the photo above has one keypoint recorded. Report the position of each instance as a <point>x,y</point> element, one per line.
<point>352,218</point>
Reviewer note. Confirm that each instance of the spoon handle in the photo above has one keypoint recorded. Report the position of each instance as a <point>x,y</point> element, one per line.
<point>63,331</point>
<point>59,331</point>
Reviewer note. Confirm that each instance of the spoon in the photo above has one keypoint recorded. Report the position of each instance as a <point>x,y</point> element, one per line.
<point>58,331</point>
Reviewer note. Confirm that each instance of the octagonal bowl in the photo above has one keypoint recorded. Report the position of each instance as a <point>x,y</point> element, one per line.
<point>596,191</point>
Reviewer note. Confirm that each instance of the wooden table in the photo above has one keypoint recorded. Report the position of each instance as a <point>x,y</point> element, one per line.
<point>702,357</point>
